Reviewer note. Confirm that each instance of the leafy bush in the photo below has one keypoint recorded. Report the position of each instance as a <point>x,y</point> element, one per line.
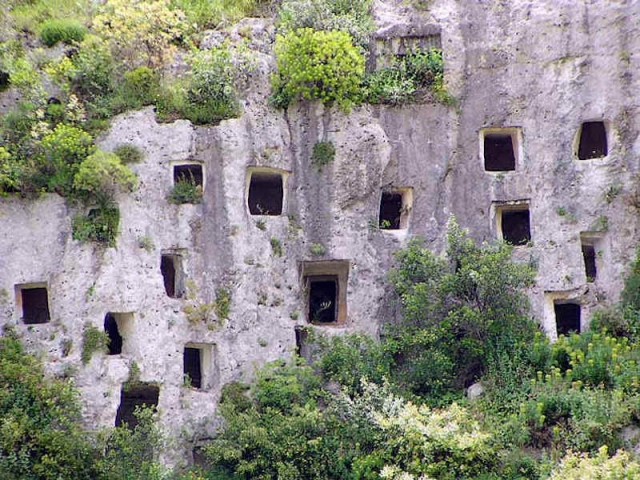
<point>101,225</point>
<point>209,93</point>
<point>93,74</point>
<point>140,32</point>
<point>213,13</point>
<point>63,150</point>
<point>459,312</point>
<point>323,153</point>
<point>101,175</point>
<point>185,191</point>
<point>584,467</point>
<point>93,340</point>
<point>40,437</point>
<point>128,153</point>
<point>317,65</point>
<point>139,87</point>
<point>415,73</point>
<point>352,17</point>
<point>61,30</point>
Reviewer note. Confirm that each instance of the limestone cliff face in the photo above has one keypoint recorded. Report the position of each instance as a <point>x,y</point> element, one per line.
<point>530,71</point>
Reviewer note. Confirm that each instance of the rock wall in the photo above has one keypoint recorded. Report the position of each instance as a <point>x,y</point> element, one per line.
<point>541,68</point>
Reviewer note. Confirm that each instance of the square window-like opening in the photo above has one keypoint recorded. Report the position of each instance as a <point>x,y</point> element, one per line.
<point>113,332</point>
<point>514,224</point>
<point>192,362</point>
<point>33,302</point>
<point>266,193</point>
<point>499,153</point>
<point>589,258</point>
<point>567,317</point>
<point>325,284</point>
<point>172,275</point>
<point>191,173</point>
<point>395,207</point>
<point>323,299</point>
<point>593,141</point>
<point>139,395</point>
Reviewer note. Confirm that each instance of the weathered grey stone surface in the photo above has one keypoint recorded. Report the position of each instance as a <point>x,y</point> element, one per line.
<point>542,66</point>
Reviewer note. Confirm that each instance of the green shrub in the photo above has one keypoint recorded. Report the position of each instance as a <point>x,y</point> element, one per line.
<point>208,96</point>
<point>61,30</point>
<point>630,298</point>
<point>139,87</point>
<point>323,153</point>
<point>222,304</point>
<point>93,340</point>
<point>353,17</point>
<point>128,153</point>
<point>214,13</point>
<point>317,65</point>
<point>40,435</point>
<point>63,150</point>
<point>622,466</point>
<point>185,191</point>
<point>101,225</point>
<point>415,73</point>
<point>459,313</point>
<point>10,172</point>
<point>101,175</point>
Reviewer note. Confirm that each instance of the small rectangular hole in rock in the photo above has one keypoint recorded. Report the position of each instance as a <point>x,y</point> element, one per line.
<point>138,395</point>
<point>499,154</point>
<point>516,228</point>
<point>593,141</point>
<point>323,295</point>
<point>191,173</point>
<point>589,257</point>
<point>567,317</point>
<point>390,211</point>
<point>193,366</point>
<point>172,275</point>
<point>113,332</point>
<point>266,193</point>
<point>35,305</point>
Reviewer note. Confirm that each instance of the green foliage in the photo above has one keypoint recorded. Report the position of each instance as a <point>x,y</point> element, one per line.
<point>416,74</point>
<point>323,153</point>
<point>366,359</point>
<point>128,153</point>
<point>621,466</point>
<point>317,65</point>
<point>100,226</point>
<point>222,304</point>
<point>352,17</point>
<point>630,298</point>
<point>39,433</point>
<point>214,13</point>
<point>185,191</point>
<point>101,175</point>
<point>209,94</point>
<point>459,312</point>
<point>61,30</point>
<point>276,246</point>
<point>317,249</point>
<point>63,150</point>
<point>139,87</point>
<point>93,340</point>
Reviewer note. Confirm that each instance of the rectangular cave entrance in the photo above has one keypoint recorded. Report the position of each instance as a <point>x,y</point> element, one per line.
<point>593,141</point>
<point>138,395</point>
<point>390,210</point>
<point>567,317</point>
<point>499,152</point>
<point>266,193</point>
<point>172,275</point>
<point>589,258</point>
<point>192,358</point>
<point>113,332</point>
<point>514,224</point>
<point>191,173</point>
<point>33,301</point>
<point>323,299</point>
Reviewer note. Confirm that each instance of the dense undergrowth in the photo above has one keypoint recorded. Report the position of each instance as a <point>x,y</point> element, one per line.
<point>388,409</point>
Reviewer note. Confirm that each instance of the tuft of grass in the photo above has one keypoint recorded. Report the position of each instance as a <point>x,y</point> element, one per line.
<point>276,246</point>
<point>317,249</point>
<point>185,191</point>
<point>128,153</point>
<point>323,153</point>
<point>61,30</point>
